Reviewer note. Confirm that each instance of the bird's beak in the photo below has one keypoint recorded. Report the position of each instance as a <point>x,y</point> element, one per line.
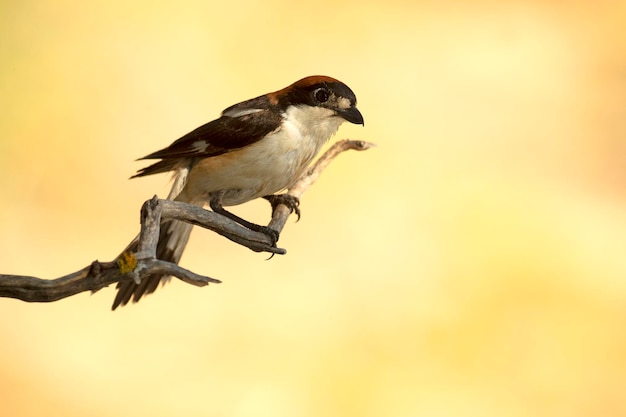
<point>352,115</point>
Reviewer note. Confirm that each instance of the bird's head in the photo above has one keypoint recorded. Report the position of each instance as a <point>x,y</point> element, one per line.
<point>330,96</point>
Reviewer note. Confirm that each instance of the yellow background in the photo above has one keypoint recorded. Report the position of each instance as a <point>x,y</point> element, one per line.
<point>473,264</point>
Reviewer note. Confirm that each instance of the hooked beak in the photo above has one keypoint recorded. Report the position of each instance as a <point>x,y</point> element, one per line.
<point>352,115</point>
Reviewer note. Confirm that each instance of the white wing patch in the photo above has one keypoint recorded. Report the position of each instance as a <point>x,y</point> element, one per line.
<point>239,113</point>
<point>199,146</point>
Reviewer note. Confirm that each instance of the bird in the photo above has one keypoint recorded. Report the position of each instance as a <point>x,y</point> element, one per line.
<point>255,149</point>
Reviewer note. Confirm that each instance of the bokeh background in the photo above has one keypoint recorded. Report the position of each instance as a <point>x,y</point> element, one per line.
<point>473,264</point>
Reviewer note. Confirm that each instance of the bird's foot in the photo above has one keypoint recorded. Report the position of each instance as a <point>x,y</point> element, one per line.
<point>293,203</point>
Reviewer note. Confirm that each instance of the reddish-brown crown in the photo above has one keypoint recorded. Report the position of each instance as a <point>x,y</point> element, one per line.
<point>301,85</point>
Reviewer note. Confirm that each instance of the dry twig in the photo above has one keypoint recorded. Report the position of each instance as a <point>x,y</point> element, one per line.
<point>143,263</point>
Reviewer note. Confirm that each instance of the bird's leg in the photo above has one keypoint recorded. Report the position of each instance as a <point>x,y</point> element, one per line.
<point>293,203</point>
<point>216,205</point>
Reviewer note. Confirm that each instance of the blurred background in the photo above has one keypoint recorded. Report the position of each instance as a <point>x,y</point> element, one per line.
<point>473,264</point>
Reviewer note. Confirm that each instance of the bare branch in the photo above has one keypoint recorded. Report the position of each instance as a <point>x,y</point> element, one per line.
<point>136,266</point>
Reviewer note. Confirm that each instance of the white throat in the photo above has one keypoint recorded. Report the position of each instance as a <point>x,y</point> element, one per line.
<point>313,124</point>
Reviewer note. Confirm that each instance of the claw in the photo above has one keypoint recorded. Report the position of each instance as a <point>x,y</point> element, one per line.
<point>272,234</point>
<point>287,200</point>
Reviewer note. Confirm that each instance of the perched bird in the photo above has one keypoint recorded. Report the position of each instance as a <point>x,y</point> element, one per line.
<point>255,149</point>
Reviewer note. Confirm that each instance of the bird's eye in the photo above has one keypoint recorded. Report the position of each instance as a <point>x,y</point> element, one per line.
<point>321,95</point>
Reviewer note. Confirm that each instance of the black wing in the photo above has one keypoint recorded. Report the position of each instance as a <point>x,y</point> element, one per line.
<point>239,126</point>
